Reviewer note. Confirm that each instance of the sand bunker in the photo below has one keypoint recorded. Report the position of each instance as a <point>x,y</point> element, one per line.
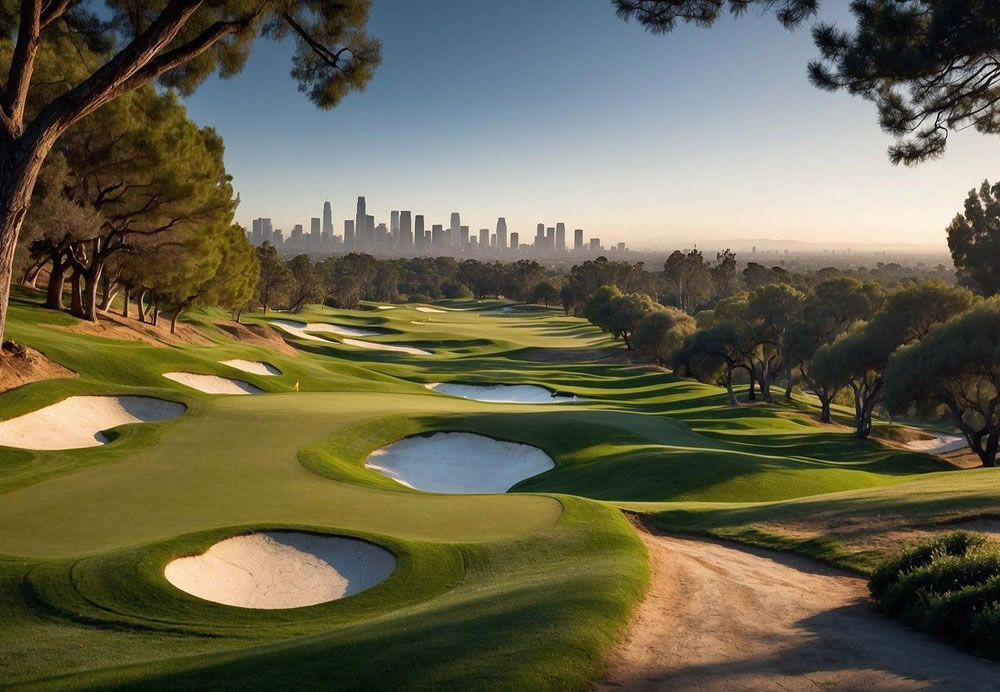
<point>302,329</point>
<point>426,309</point>
<point>940,444</point>
<point>281,569</point>
<point>212,384</point>
<point>459,463</point>
<point>501,393</point>
<point>78,421</point>
<point>412,350</point>
<point>386,307</point>
<point>254,367</point>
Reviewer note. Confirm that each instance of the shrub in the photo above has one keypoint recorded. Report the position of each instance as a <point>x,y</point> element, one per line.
<point>948,587</point>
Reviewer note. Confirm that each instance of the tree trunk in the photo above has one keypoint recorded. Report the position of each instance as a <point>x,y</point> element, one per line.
<point>729,386</point>
<point>788,387</point>
<point>156,315</point>
<point>752,394</point>
<point>140,305</point>
<point>90,283</point>
<point>57,281</point>
<point>125,303</point>
<point>109,290</point>
<point>19,165</point>
<point>628,346</point>
<point>173,321</point>
<point>824,414</point>
<point>30,278</point>
<point>76,297</point>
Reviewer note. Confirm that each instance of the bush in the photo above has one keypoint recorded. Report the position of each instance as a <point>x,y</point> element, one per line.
<point>418,298</point>
<point>948,587</point>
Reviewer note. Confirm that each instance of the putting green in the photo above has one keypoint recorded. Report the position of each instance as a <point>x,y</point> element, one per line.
<point>525,590</point>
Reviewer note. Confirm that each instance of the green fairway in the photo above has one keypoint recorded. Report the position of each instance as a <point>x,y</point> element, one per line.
<point>524,590</point>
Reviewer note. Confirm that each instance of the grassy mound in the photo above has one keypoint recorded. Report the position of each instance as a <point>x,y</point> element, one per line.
<point>948,587</point>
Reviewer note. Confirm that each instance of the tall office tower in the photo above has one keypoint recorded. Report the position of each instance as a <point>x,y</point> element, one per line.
<point>394,226</point>
<point>418,231</point>
<point>437,236</point>
<point>255,234</point>
<point>405,231</point>
<point>513,240</point>
<point>493,240</point>
<point>296,237</point>
<point>502,233</point>
<point>595,244</point>
<point>455,227</point>
<point>327,219</point>
<point>348,234</point>
<point>360,224</point>
<point>560,236</point>
<point>540,236</point>
<point>265,230</point>
<point>550,237</point>
<point>463,236</point>
<point>369,236</point>
<point>578,239</point>
<point>621,247</point>
<point>277,239</point>
<point>484,238</point>
<point>314,232</point>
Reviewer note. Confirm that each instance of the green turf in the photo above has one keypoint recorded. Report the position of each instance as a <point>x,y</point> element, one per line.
<point>525,590</point>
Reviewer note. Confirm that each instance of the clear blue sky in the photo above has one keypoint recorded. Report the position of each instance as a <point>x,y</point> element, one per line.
<point>555,110</point>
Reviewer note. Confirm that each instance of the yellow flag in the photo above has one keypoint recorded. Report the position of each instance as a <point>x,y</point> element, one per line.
<point>296,385</point>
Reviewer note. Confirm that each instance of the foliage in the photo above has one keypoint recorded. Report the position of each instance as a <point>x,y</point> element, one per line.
<point>958,365</point>
<point>660,333</point>
<point>948,587</point>
<point>276,283</point>
<point>974,240</point>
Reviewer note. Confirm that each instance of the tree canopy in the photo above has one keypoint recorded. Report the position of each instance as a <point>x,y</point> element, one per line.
<point>974,240</point>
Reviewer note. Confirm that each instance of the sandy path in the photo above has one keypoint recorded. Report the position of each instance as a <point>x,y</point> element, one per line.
<point>721,617</point>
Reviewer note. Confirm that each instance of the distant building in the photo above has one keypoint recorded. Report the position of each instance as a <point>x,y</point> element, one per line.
<point>578,239</point>
<point>405,231</point>
<point>621,247</point>
<point>348,234</point>
<point>550,237</point>
<point>560,236</point>
<point>455,228</point>
<point>314,232</point>
<point>296,237</point>
<point>419,239</point>
<point>595,244</point>
<point>540,236</point>
<point>361,224</point>
<point>463,236</point>
<point>484,238</point>
<point>513,240</point>
<point>327,219</point>
<point>502,233</point>
<point>277,239</point>
<point>265,230</point>
<point>437,236</point>
<point>394,226</point>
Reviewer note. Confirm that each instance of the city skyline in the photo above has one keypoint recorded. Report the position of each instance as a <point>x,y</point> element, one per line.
<point>407,233</point>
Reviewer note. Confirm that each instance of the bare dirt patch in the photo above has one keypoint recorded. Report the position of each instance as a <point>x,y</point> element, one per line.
<point>20,365</point>
<point>721,617</point>
<point>112,326</point>
<point>257,335</point>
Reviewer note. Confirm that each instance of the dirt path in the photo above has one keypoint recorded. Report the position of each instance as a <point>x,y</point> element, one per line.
<point>725,618</point>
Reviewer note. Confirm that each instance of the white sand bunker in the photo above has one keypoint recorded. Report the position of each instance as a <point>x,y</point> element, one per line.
<point>281,569</point>
<point>940,444</point>
<point>412,350</point>
<point>459,463</point>
<point>426,309</point>
<point>302,329</point>
<point>386,307</point>
<point>501,393</point>
<point>212,384</point>
<point>78,421</point>
<point>254,367</point>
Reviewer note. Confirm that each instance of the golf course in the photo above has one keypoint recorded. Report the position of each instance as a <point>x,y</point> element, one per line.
<point>276,503</point>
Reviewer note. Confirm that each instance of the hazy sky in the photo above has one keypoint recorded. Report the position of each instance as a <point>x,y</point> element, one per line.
<point>555,110</point>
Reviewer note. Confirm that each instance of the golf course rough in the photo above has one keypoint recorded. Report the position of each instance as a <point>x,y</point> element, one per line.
<point>458,462</point>
<point>281,569</point>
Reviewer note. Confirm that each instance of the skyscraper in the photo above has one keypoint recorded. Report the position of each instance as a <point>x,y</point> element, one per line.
<point>314,232</point>
<point>418,231</point>
<point>540,236</point>
<point>265,230</point>
<point>550,237</point>
<point>394,226</point>
<point>360,225</point>
<point>484,238</point>
<point>502,233</point>
<point>560,236</point>
<point>455,227</point>
<point>327,219</point>
<point>463,236</point>
<point>437,236</point>
<point>348,234</point>
<point>368,239</point>
<point>578,239</point>
<point>513,240</point>
<point>405,232</point>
